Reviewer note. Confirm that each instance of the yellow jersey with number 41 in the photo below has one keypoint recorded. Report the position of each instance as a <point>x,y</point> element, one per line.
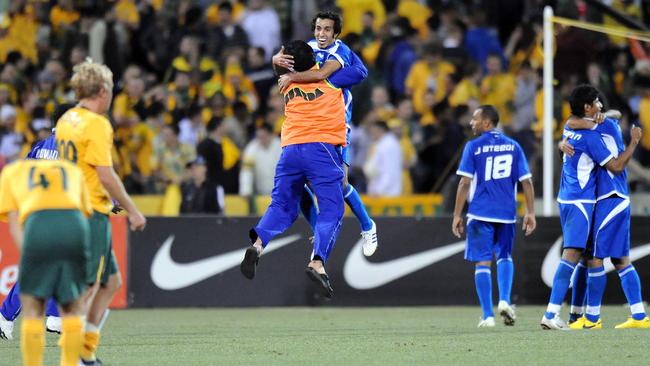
<point>28,186</point>
<point>85,138</point>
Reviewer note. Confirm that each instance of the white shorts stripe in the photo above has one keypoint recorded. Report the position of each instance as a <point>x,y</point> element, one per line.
<point>618,209</point>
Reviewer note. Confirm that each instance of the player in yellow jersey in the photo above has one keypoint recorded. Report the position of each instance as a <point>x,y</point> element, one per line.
<point>48,200</point>
<point>84,137</point>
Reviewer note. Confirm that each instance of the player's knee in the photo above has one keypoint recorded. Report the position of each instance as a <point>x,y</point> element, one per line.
<point>572,255</point>
<point>114,282</point>
<point>620,263</point>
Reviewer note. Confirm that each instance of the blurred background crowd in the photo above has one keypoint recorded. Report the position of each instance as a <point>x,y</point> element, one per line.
<point>196,104</point>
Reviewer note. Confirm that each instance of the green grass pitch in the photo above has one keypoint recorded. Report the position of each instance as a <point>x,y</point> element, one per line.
<point>349,336</point>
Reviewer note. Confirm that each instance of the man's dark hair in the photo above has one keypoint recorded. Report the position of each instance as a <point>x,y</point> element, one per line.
<point>214,123</point>
<point>155,109</point>
<point>489,112</point>
<point>225,5</point>
<point>336,17</point>
<point>382,125</point>
<point>303,56</point>
<point>581,95</point>
<point>266,127</point>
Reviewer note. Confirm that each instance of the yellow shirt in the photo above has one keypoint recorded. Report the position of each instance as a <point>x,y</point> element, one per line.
<point>127,12</point>
<point>644,120</point>
<point>352,12</point>
<point>86,139</point>
<point>141,146</point>
<point>464,92</point>
<point>28,186</point>
<point>422,77</point>
<point>59,16</point>
<point>499,90</point>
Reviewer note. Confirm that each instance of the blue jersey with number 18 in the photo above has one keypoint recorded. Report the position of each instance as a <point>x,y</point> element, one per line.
<point>495,163</point>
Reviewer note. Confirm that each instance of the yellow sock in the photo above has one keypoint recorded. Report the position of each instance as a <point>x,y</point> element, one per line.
<point>32,341</point>
<point>71,340</point>
<point>91,341</point>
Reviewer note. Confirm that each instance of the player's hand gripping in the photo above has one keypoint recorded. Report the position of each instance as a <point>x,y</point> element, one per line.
<point>566,147</point>
<point>635,134</point>
<point>529,224</point>
<point>137,220</point>
<point>283,60</point>
<point>283,82</point>
<point>457,226</point>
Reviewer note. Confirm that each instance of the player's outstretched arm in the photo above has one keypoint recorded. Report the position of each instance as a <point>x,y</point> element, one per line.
<point>115,188</point>
<point>308,76</point>
<point>529,219</point>
<point>617,165</point>
<point>457,225</point>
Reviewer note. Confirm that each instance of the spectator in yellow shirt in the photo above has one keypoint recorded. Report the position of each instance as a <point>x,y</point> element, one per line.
<point>428,74</point>
<point>353,10</point>
<point>498,89</point>
<point>62,15</point>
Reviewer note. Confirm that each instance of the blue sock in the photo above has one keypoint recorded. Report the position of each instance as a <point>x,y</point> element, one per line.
<point>11,306</point>
<point>483,281</point>
<point>51,309</point>
<point>560,287</point>
<point>595,289</point>
<point>578,292</point>
<point>308,207</point>
<point>505,273</point>
<point>353,200</point>
<point>631,284</point>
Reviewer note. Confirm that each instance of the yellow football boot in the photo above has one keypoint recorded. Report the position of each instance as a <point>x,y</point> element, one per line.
<point>591,325</point>
<point>578,323</point>
<point>632,323</point>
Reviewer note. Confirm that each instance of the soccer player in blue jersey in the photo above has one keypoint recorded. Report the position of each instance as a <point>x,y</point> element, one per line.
<point>331,55</point>
<point>44,149</point>
<point>490,167</point>
<point>577,196</point>
<point>611,232</point>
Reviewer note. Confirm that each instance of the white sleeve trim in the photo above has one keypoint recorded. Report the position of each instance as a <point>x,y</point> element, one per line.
<point>525,176</point>
<point>607,159</point>
<point>464,174</point>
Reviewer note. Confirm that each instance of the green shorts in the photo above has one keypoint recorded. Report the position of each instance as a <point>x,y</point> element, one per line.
<point>102,261</point>
<point>55,255</point>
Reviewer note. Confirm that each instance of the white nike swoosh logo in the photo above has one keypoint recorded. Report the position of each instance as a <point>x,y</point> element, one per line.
<point>170,275</point>
<point>552,259</point>
<point>361,274</point>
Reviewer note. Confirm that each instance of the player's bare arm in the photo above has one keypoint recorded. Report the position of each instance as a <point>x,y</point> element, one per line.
<point>529,219</point>
<point>617,165</point>
<point>115,188</point>
<point>457,225</point>
<point>309,75</point>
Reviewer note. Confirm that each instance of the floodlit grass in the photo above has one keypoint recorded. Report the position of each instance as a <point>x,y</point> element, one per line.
<point>349,336</point>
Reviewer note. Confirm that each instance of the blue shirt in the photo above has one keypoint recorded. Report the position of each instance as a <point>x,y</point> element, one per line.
<point>609,183</point>
<point>495,163</point>
<point>45,149</point>
<point>578,179</point>
<point>340,52</point>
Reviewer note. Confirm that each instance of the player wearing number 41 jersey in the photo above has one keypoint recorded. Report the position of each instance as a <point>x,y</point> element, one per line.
<point>48,200</point>
<point>491,166</point>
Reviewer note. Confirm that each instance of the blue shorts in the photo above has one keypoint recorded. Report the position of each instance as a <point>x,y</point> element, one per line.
<point>612,228</point>
<point>576,219</point>
<point>488,239</point>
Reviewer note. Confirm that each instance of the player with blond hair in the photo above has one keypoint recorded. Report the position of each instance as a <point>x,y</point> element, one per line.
<point>84,137</point>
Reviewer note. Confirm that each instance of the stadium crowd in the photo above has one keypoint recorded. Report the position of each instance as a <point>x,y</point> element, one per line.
<point>194,78</point>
